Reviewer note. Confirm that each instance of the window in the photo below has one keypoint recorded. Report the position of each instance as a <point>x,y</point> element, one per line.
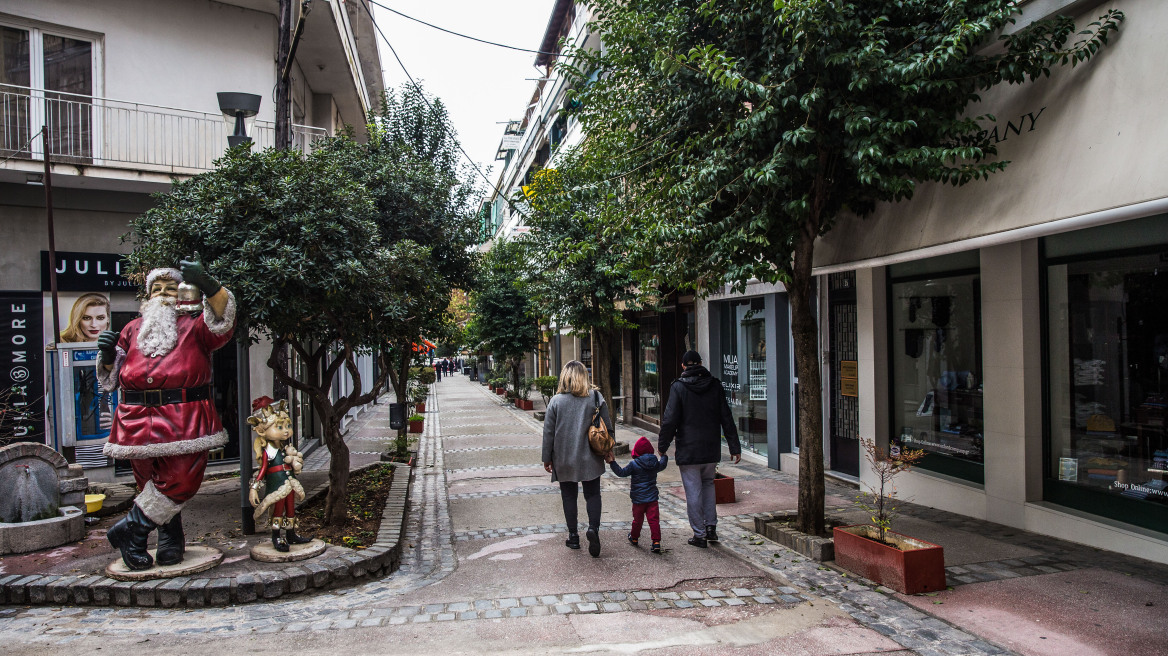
<point>648,375</point>
<point>741,366</point>
<point>935,336</point>
<point>1107,363</point>
<point>47,78</point>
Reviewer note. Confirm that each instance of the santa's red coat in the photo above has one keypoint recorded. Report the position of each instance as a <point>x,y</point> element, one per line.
<point>179,428</point>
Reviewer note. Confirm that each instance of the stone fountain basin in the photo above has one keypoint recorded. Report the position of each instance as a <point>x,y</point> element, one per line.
<point>22,537</point>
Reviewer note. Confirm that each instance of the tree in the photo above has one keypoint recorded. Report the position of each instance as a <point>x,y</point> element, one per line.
<point>410,166</point>
<point>581,273</point>
<point>505,317</point>
<point>297,241</point>
<point>747,129</point>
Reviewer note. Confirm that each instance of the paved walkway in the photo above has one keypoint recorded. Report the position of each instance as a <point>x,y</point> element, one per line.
<point>485,571</point>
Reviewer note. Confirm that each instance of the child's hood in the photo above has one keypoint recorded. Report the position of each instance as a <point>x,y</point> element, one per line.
<point>647,461</point>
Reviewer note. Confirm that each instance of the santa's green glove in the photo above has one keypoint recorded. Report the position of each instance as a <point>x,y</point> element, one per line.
<point>107,345</point>
<point>194,273</point>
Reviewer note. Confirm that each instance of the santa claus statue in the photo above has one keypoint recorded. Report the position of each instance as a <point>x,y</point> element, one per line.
<point>166,421</point>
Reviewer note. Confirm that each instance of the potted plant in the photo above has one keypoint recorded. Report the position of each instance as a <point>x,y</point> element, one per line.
<point>501,386</point>
<point>416,422</point>
<point>547,389</point>
<point>874,551</point>
<point>724,488</point>
<point>523,393</point>
<point>418,395</point>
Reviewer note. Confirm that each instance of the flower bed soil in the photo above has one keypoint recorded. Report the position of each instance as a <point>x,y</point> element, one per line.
<point>367,493</point>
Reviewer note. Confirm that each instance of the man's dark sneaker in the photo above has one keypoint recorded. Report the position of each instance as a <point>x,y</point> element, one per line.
<point>593,542</point>
<point>695,541</point>
<point>632,540</point>
<point>656,547</point>
<point>573,541</point>
<point>712,534</point>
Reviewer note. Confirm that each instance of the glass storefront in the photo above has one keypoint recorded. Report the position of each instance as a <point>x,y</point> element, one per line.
<point>1107,325</point>
<point>935,337</point>
<point>742,367</point>
<point>648,375</point>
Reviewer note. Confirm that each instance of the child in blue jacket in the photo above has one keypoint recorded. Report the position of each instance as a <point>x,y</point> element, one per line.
<point>643,490</point>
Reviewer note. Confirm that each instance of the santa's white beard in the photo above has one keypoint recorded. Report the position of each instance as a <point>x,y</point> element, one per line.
<point>159,332</point>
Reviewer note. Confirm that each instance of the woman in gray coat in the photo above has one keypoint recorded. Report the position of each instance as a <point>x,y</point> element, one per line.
<point>566,454</point>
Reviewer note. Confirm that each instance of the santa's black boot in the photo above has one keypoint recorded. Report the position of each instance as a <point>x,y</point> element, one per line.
<point>171,543</point>
<point>129,536</point>
<point>278,541</point>
<point>293,538</point>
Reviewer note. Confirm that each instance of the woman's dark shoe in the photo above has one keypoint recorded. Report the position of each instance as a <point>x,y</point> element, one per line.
<point>695,541</point>
<point>593,542</point>
<point>712,534</point>
<point>171,543</point>
<point>129,536</point>
<point>656,548</point>
<point>573,541</point>
<point>278,541</point>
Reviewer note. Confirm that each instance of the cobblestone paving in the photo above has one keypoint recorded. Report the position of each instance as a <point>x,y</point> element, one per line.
<point>430,556</point>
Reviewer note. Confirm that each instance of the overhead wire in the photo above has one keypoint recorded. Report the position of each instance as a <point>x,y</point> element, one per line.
<point>459,34</point>
<point>425,99</point>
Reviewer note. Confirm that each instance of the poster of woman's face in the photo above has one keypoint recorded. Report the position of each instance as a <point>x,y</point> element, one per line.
<point>88,318</point>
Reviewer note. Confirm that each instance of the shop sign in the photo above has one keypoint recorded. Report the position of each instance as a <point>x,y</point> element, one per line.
<point>22,377</point>
<point>510,142</point>
<point>86,272</point>
<point>1024,123</point>
<point>849,378</point>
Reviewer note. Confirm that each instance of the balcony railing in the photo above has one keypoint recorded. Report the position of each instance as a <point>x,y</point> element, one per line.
<point>104,132</point>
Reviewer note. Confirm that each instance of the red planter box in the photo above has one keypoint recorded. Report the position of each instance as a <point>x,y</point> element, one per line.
<point>501,391</point>
<point>724,489</point>
<point>419,408</point>
<point>525,405</point>
<point>920,567</point>
<point>416,426</point>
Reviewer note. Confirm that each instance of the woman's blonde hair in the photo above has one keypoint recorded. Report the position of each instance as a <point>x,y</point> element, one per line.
<point>574,379</point>
<point>80,306</point>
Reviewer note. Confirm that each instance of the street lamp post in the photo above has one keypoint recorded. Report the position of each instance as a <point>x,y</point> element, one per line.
<point>239,111</point>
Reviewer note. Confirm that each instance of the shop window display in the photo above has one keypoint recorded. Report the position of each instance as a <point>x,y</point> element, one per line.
<point>936,371</point>
<point>648,375</point>
<point>1108,382</point>
<point>741,366</point>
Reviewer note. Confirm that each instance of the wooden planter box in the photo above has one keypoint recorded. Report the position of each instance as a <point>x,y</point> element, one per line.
<point>724,489</point>
<point>917,567</point>
<point>524,404</point>
<point>416,426</point>
<point>501,391</point>
<point>420,407</point>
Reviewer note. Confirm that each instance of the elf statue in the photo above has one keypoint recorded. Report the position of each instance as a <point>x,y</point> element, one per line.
<point>278,464</point>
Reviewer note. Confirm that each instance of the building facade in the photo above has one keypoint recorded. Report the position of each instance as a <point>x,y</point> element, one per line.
<point>1014,328</point>
<point>127,90</point>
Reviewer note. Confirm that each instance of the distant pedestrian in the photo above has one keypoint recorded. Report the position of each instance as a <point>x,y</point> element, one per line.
<point>643,489</point>
<point>438,371</point>
<point>567,454</point>
<point>698,414</point>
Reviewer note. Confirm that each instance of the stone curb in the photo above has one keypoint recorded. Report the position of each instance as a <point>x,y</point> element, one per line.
<point>346,570</point>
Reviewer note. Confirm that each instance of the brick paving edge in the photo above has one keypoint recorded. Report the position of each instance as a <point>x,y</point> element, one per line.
<point>347,570</point>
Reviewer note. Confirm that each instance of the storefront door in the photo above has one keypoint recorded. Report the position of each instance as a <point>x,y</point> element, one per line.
<point>845,407</point>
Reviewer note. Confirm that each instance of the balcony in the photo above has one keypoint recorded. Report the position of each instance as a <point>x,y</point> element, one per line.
<point>102,132</point>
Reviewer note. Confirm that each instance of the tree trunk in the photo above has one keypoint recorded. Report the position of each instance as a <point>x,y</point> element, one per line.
<point>602,366</point>
<point>283,86</point>
<point>805,331</point>
<point>336,503</point>
<point>515,363</point>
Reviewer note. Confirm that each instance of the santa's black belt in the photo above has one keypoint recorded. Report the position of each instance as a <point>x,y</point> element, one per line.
<point>157,397</point>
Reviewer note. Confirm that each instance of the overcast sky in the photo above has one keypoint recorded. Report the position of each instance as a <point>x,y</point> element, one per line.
<point>481,85</point>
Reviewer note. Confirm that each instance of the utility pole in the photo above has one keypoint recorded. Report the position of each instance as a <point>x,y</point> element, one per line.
<point>283,80</point>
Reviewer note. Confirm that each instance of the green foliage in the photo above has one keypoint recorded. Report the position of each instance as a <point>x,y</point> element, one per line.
<point>504,312</point>
<point>741,130</point>
<point>547,387</point>
<point>524,389</point>
<point>416,417</point>
<point>424,375</point>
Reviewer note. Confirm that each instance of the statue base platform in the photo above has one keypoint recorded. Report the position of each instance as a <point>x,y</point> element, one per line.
<point>197,558</point>
<point>265,552</point>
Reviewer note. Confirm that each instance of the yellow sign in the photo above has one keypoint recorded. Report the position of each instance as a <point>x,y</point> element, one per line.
<point>849,387</point>
<point>849,369</point>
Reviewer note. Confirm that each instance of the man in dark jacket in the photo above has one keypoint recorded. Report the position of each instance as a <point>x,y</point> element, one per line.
<point>698,415</point>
